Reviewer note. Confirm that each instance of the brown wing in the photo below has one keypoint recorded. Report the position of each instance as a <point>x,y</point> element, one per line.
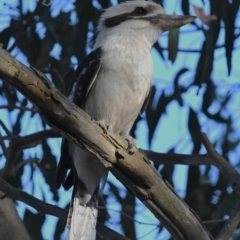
<point>82,82</point>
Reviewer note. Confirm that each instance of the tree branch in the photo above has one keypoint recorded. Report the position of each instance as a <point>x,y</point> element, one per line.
<point>49,209</point>
<point>230,224</point>
<point>22,108</point>
<point>176,158</point>
<point>222,164</point>
<point>40,206</point>
<point>134,171</point>
<point>17,143</point>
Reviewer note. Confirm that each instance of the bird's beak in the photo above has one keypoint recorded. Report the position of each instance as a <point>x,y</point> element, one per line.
<point>167,22</point>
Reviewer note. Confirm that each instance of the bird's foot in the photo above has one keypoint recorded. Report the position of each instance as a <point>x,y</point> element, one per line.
<point>102,125</point>
<point>132,145</point>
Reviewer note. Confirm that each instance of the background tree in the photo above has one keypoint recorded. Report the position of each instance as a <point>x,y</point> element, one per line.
<point>195,83</point>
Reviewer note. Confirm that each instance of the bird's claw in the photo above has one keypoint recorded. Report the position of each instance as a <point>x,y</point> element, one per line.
<point>132,145</point>
<point>102,125</point>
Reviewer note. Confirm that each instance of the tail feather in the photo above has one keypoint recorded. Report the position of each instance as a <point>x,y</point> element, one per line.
<point>82,219</point>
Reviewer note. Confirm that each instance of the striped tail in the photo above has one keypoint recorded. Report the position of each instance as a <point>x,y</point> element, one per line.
<point>82,219</point>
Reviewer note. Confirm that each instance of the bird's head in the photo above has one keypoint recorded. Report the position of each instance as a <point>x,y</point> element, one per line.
<point>139,18</point>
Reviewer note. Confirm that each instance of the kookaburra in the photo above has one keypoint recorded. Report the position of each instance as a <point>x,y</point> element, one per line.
<point>112,85</point>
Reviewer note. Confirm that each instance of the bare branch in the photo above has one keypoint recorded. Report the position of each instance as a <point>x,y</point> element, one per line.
<point>40,206</point>
<point>31,160</point>
<point>49,209</point>
<point>230,224</point>
<point>213,221</point>
<point>128,216</point>
<point>222,164</point>
<point>22,108</point>
<point>174,158</point>
<point>17,143</point>
<point>34,139</point>
<point>5,128</point>
<point>134,171</point>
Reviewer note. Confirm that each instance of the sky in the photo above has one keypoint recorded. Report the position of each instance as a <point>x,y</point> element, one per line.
<point>172,129</point>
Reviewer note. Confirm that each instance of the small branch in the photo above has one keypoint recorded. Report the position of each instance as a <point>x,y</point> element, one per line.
<point>22,108</point>
<point>40,206</point>
<point>5,128</point>
<point>31,160</point>
<point>49,209</point>
<point>2,144</point>
<point>230,224</point>
<point>222,164</point>
<point>18,143</point>
<point>108,233</point>
<point>34,139</point>
<point>175,158</point>
<point>128,216</point>
<point>214,221</point>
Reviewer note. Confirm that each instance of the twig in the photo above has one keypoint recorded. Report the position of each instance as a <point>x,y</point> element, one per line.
<point>40,206</point>
<point>222,164</point>
<point>212,221</point>
<point>31,160</point>
<point>2,144</point>
<point>231,224</point>
<point>12,107</point>
<point>17,143</point>
<point>54,70</point>
<point>174,158</point>
<point>5,128</point>
<point>108,233</point>
<point>49,209</point>
<point>34,139</point>
<point>128,216</point>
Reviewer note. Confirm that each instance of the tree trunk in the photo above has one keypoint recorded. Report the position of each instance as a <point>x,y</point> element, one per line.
<point>11,225</point>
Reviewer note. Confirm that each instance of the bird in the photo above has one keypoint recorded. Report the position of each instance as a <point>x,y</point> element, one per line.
<point>112,85</point>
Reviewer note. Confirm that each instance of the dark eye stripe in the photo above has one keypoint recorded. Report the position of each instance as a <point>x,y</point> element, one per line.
<point>116,20</point>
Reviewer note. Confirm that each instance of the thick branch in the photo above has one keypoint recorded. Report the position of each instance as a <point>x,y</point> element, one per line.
<point>45,208</point>
<point>135,171</point>
<point>11,225</point>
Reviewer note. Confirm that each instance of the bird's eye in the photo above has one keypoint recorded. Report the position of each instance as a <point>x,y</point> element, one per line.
<point>139,11</point>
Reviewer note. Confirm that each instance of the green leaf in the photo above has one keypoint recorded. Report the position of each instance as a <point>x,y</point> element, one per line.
<point>173,39</point>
